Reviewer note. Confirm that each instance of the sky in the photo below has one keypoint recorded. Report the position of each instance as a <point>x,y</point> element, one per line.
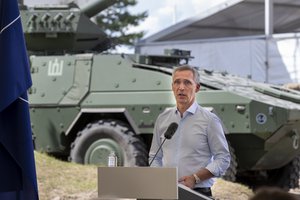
<point>164,13</point>
<point>161,13</point>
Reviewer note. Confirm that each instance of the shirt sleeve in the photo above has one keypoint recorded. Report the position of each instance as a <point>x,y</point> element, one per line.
<point>218,147</point>
<point>156,141</point>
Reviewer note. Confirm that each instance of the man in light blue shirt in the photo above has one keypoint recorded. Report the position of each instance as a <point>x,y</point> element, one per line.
<point>198,148</point>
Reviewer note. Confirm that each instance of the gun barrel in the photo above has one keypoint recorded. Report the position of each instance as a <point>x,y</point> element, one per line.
<point>96,6</point>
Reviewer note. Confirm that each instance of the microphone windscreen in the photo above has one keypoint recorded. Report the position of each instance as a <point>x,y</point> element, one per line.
<point>171,130</point>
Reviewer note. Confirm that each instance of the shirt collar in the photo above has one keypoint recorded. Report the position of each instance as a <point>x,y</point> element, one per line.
<point>192,109</point>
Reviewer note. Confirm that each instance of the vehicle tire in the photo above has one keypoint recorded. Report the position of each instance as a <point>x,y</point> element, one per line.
<point>286,177</point>
<point>95,142</point>
<point>230,174</point>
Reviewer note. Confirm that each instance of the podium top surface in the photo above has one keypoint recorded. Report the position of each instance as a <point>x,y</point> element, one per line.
<point>186,193</point>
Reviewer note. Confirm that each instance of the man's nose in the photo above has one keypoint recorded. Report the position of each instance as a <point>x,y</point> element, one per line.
<point>181,86</point>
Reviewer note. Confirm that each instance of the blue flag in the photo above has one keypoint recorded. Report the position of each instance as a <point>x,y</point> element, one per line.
<point>17,166</point>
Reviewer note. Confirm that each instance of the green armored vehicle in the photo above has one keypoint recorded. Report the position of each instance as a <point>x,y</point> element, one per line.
<point>85,103</point>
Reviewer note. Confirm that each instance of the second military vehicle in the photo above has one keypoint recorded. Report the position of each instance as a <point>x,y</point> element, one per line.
<point>85,103</point>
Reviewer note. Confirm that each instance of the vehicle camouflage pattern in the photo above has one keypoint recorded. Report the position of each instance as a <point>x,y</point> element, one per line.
<point>85,103</point>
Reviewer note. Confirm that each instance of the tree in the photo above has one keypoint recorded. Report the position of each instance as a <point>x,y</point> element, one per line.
<point>116,21</point>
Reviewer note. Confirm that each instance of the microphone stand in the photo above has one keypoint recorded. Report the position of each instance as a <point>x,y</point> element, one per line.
<point>157,151</point>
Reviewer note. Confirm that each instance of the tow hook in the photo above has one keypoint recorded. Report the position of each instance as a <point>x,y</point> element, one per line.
<point>295,138</point>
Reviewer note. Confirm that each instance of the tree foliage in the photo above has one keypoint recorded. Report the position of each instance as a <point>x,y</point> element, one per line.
<point>117,20</point>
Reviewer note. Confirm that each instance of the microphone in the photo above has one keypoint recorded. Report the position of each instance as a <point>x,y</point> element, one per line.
<point>171,130</point>
<point>168,135</point>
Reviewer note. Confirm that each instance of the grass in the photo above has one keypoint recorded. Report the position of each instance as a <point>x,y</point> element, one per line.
<point>59,180</point>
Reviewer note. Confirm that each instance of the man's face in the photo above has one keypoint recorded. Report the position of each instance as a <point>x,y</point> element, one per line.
<point>184,88</point>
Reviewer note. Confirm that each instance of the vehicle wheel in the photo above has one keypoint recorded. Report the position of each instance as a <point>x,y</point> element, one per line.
<point>95,142</point>
<point>230,174</point>
<point>286,177</point>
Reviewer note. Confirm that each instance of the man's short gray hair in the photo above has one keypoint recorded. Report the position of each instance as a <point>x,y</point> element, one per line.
<point>189,68</point>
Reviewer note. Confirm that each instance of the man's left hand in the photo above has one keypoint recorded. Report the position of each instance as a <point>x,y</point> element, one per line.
<point>188,181</point>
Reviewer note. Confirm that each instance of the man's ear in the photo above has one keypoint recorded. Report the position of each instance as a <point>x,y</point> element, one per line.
<point>197,87</point>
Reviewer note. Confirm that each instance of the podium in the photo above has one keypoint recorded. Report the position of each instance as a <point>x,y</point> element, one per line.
<point>146,183</point>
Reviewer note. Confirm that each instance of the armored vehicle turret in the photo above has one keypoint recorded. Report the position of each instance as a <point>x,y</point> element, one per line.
<point>57,29</point>
<point>85,104</point>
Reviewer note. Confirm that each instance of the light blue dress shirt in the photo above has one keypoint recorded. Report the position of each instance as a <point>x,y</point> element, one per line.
<point>199,142</point>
